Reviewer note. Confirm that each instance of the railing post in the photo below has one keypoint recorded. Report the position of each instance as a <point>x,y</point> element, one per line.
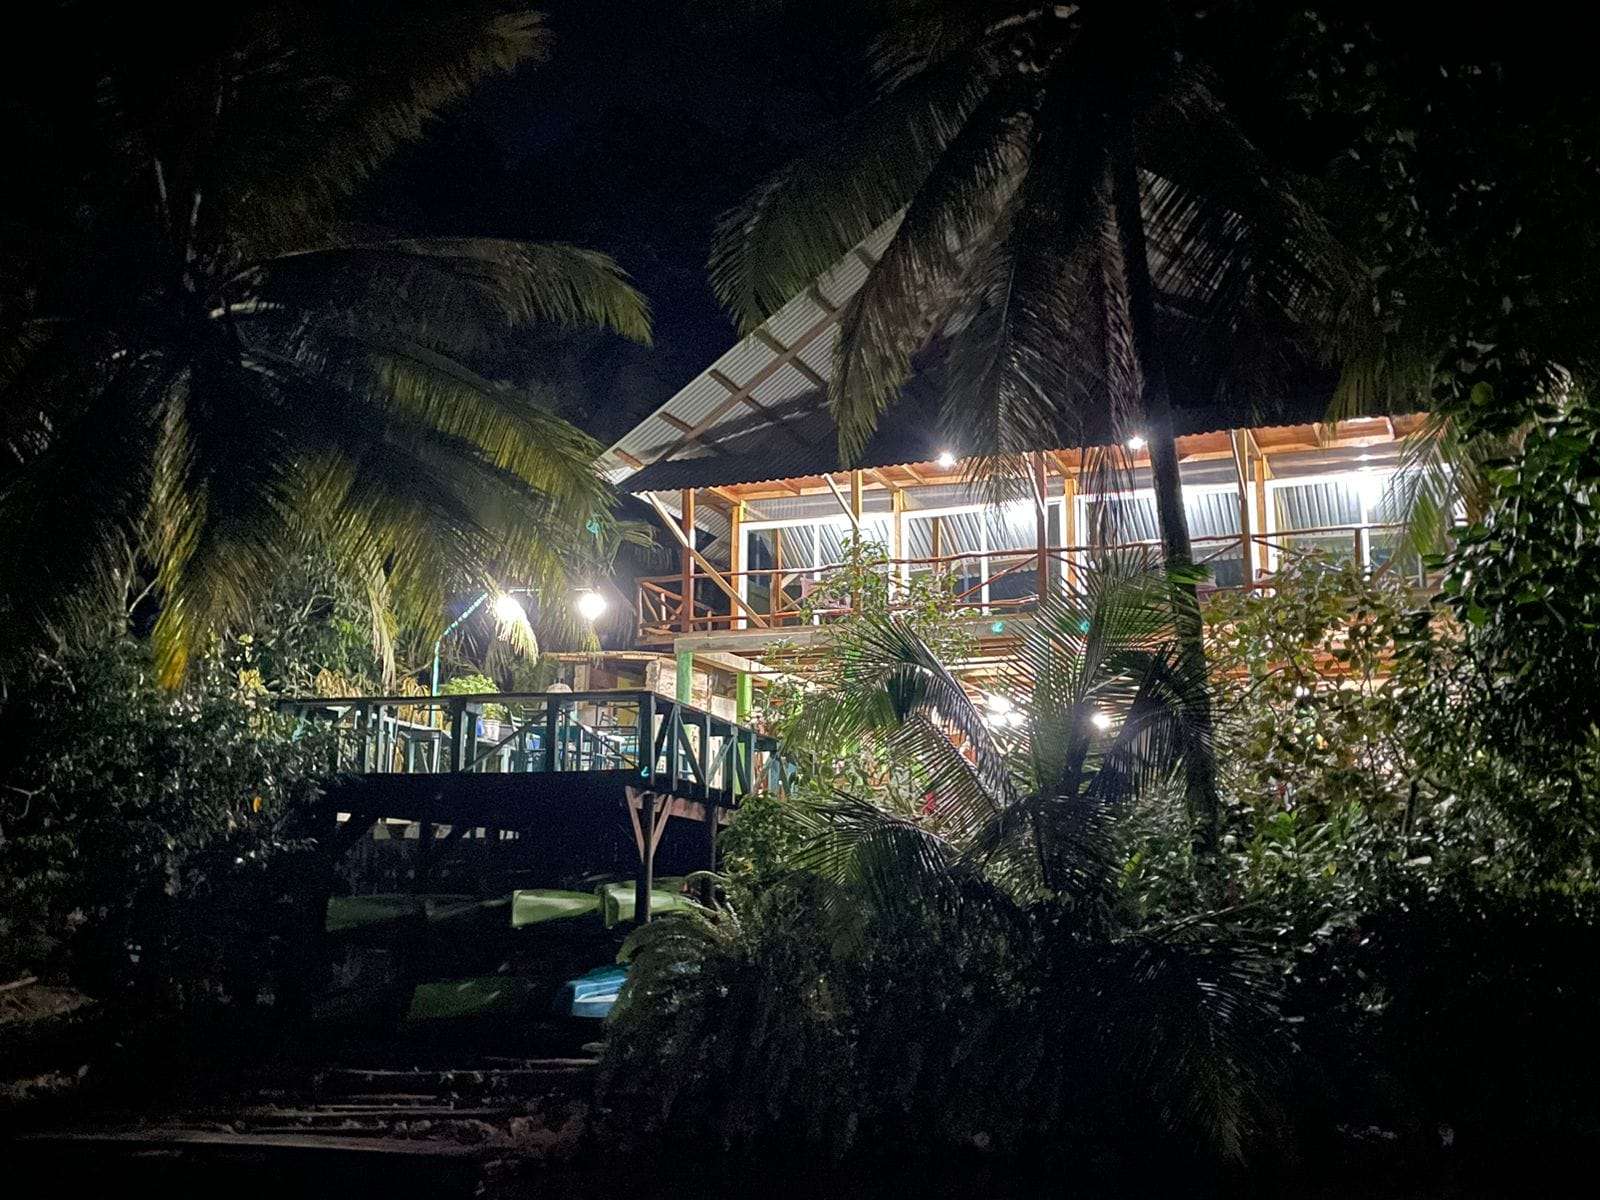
<point>674,723</point>
<point>552,715</point>
<point>707,771</point>
<point>458,735</point>
<point>647,735</point>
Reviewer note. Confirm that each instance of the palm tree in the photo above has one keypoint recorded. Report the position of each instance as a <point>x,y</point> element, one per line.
<point>205,367</point>
<point>1081,226</point>
<point>1025,840</point>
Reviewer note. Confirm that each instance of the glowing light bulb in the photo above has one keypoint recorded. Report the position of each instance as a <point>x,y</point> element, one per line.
<point>946,459</point>
<point>1136,443</point>
<point>1101,721</point>
<point>508,609</point>
<point>591,605</point>
<point>998,703</point>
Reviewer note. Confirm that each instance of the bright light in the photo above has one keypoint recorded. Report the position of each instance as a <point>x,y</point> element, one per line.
<point>1370,485</point>
<point>998,703</point>
<point>1136,443</point>
<point>508,609</point>
<point>591,605</point>
<point>946,459</point>
<point>1101,720</point>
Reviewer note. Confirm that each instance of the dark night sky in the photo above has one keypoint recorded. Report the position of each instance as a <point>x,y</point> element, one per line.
<point>648,122</point>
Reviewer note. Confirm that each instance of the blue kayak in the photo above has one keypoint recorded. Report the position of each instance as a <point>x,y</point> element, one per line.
<point>592,994</point>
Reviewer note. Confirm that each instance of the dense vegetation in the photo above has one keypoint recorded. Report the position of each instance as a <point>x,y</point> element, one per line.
<point>1304,866</point>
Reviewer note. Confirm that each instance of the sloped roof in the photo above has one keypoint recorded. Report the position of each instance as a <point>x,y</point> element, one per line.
<point>789,356</point>
<point>759,413</point>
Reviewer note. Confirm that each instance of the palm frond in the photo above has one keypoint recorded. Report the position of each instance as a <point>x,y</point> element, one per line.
<point>799,223</point>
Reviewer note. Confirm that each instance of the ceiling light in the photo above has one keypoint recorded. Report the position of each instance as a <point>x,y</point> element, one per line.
<point>591,605</point>
<point>1136,443</point>
<point>946,459</point>
<point>1101,721</point>
<point>998,703</point>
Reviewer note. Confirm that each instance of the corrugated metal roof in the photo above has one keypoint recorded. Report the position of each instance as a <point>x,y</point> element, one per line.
<point>706,401</point>
<point>745,447</point>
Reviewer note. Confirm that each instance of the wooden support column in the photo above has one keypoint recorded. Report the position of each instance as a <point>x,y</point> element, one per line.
<point>686,623</point>
<point>648,813</point>
<point>1263,472</point>
<point>685,680</point>
<point>1069,525</point>
<point>1041,508</point>
<point>897,535</point>
<point>1240,439</point>
<point>855,523</point>
<point>736,574</point>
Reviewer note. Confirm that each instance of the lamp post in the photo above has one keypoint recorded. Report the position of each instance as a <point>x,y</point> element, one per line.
<point>591,607</point>
<point>504,603</point>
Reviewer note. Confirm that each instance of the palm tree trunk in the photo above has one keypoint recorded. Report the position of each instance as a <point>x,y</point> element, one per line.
<point>1159,434</point>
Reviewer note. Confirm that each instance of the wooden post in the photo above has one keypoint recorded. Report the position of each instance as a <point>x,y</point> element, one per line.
<point>855,540</point>
<point>647,735</point>
<point>1069,526</point>
<point>736,574</point>
<point>1241,469</point>
<point>775,592</point>
<point>642,815</point>
<point>897,535</point>
<point>684,684</point>
<point>686,622</point>
<point>1263,514</point>
<point>1041,524</point>
<point>552,715</point>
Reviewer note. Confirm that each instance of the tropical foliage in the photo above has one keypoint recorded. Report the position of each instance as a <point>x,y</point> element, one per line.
<point>207,364</point>
<point>151,841</point>
<point>1062,1002</point>
<point>1078,221</point>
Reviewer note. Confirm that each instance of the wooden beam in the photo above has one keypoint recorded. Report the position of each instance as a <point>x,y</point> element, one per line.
<point>814,290</point>
<point>706,569</point>
<point>686,506</point>
<point>1041,523</point>
<point>1069,524</point>
<point>849,510</point>
<point>736,549</point>
<point>633,462</point>
<point>756,380</point>
<point>772,418</point>
<point>1241,471</point>
<point>795,361</point>
<point>691,434</point>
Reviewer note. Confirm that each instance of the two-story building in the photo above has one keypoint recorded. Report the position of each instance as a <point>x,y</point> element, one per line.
<point>742,468</point>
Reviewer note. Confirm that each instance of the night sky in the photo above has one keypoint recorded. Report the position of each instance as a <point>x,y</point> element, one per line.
<point>649,120</point>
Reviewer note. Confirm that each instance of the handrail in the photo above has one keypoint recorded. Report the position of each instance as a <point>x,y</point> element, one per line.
<point>672,615</point>
<point>696,752</point>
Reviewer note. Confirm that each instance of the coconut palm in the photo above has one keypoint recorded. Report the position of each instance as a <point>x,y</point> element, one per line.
<point>1082,229</point>
<point>205,366</point>
<point>1017,864</point>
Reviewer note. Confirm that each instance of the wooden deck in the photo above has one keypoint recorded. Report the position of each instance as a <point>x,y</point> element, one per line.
<point>564,766</point>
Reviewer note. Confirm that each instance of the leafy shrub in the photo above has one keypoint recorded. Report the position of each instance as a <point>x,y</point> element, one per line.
<point>147,834</point>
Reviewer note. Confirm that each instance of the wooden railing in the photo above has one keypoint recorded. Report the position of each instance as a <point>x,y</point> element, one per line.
<point>648,740</point>
<point>985,582</point>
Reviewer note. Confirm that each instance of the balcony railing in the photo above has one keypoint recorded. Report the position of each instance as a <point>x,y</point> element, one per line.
<point>993,582</point>
<point>648,740</point>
